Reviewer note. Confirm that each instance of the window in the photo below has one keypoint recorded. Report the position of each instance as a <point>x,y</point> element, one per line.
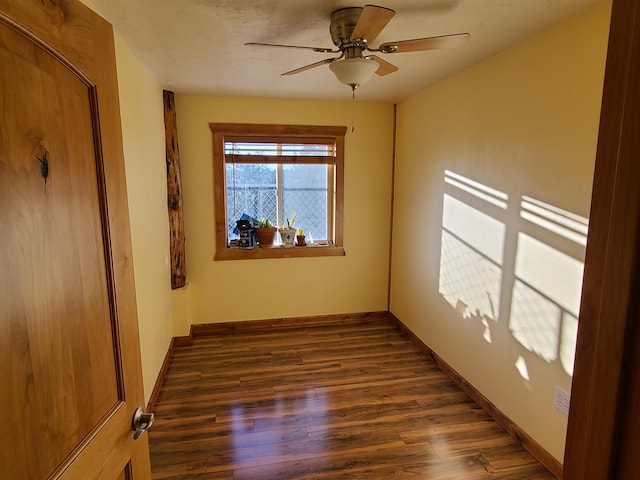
<point>276,172</point>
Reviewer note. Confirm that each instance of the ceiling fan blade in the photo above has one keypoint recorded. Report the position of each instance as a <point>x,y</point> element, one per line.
<point>371,22</point>
<point>384,68</point>
<point>310,66</point>
<point>429,43</point>
<point>315,49</point>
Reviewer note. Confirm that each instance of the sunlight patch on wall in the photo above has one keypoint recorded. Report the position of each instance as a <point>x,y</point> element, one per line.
<point>521,366</point>
<point>471,252</point>
<point>469,282</point>
<point>542,291</point>
<point>535,321</point>
<point>546,293</point>
<point>567,224</point>
<point>487,330</point>
<point>556,275</point>
<point>491,195</point>
<point>568,338</point>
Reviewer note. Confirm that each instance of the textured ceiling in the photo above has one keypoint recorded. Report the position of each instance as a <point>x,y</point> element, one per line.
<point>197,46</point>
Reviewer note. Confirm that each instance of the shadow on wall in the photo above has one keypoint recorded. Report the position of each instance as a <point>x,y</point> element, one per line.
<point>516,262</point>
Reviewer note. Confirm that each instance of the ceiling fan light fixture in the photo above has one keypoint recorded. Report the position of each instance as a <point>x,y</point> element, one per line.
<point>354,71</point>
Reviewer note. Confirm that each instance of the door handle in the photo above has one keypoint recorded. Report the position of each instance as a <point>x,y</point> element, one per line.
<point>141,422</point>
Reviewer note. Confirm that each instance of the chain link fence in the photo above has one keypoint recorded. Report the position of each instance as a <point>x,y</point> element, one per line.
<point>310,207</point>
<point>252,190</point>
<point>257,201</point>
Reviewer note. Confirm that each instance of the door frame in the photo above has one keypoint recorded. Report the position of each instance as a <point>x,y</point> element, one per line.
<point>604,419</point>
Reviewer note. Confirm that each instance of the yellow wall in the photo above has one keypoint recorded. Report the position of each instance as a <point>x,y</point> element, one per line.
<point>141,109</point>
<point>232,290</point>
<point>492,292</point>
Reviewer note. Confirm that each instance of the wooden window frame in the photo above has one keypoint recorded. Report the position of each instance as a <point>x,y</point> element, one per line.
<point>221,132</point>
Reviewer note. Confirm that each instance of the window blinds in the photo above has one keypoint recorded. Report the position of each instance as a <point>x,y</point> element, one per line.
<point>284,151</point>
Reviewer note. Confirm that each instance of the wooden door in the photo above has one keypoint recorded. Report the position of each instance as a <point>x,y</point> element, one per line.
<point>70,376</point>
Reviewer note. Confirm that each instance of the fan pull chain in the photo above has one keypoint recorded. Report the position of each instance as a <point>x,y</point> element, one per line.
<point>353,108</point>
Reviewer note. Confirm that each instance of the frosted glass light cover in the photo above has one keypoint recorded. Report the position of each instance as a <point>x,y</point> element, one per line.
<point>353,71</point>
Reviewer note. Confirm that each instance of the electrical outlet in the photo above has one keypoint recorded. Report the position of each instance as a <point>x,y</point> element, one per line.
<point>561,400</point>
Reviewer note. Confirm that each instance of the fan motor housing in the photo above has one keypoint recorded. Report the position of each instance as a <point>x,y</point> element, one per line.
<point>343,22</point>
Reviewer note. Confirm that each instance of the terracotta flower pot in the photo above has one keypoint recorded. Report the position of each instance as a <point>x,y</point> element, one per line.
<point>300,241</point>
<point>266,236</point>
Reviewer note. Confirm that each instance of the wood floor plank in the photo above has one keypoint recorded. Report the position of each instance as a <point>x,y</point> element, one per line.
<point>328,401</point>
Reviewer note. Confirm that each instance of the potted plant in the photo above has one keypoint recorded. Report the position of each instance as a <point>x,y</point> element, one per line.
<point>300,238</point>
<point>266,233</point>
<point>288,232</point>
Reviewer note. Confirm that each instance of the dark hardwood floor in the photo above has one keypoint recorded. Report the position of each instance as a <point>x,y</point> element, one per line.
<point>353,400</point>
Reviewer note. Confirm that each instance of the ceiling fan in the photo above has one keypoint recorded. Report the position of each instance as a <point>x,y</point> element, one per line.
<point>352,30</point>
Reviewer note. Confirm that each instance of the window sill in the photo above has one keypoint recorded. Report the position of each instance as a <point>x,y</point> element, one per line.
<point>279,252</point>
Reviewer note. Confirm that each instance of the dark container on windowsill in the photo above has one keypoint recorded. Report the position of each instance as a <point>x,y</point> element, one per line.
<point>246,234</point>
